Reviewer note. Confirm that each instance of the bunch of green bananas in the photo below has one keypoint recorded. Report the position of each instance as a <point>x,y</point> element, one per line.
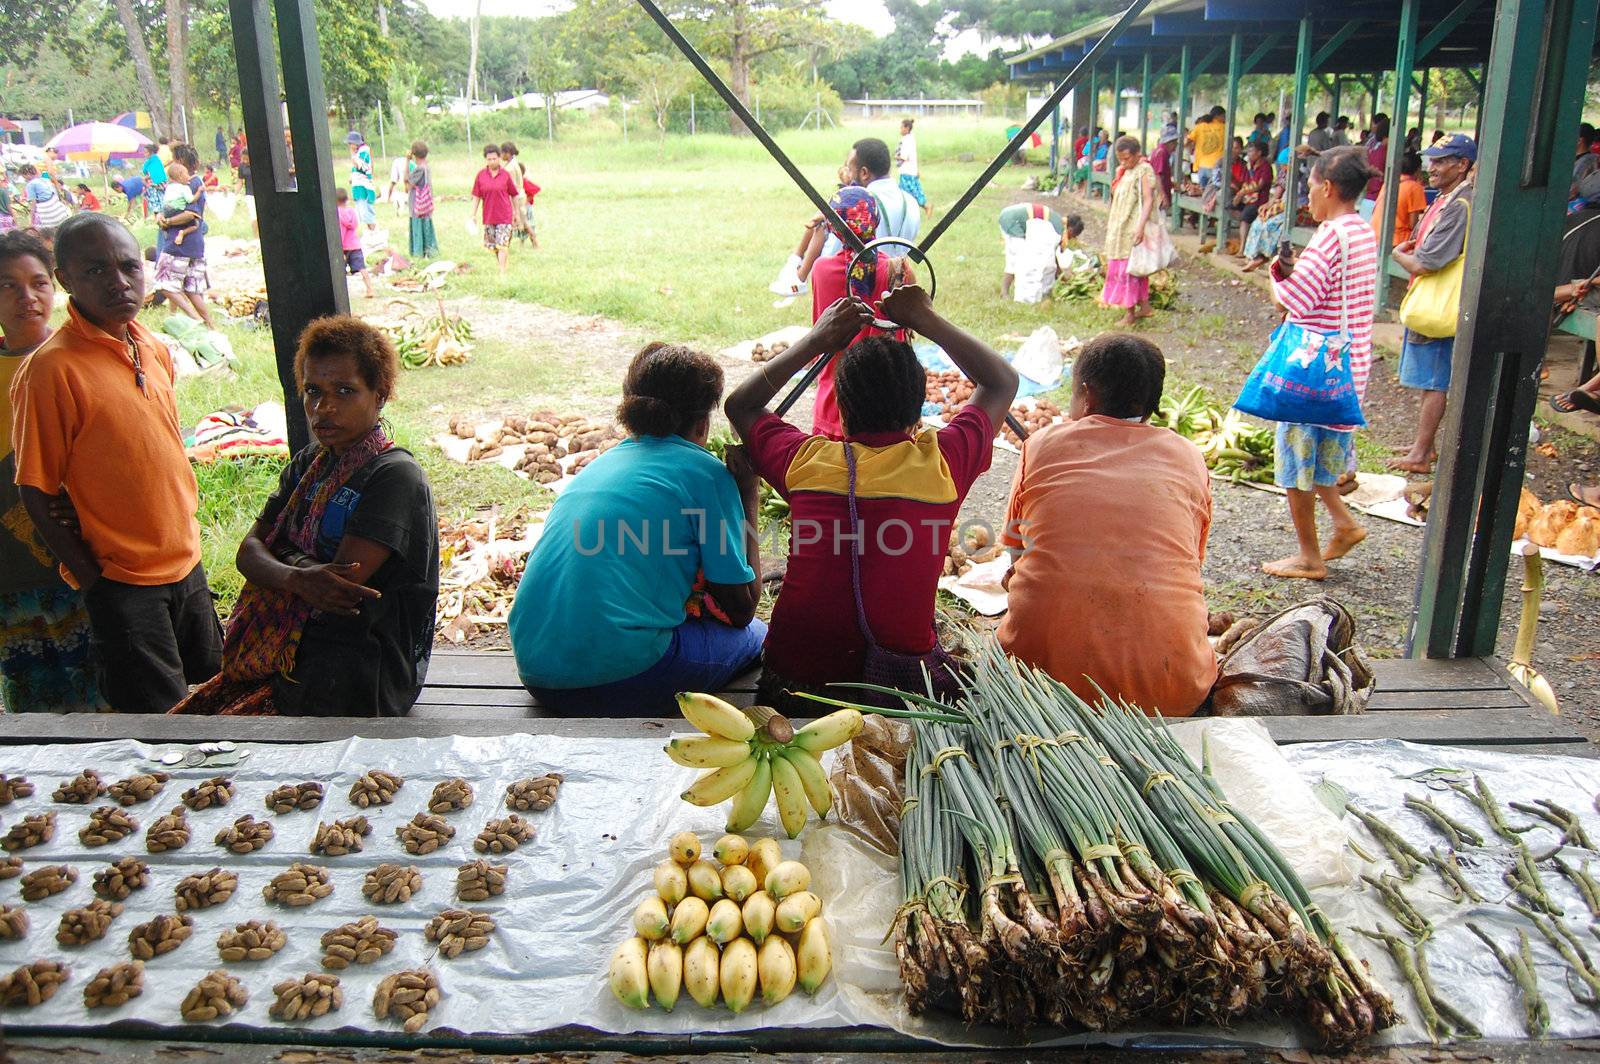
<point>1231,445</point>
<point>1079,284</point>
<point>748,764</point>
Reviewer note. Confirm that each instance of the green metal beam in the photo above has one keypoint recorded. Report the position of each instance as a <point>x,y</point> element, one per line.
<point>1116,107</point>
<point>1180,167</point>
<point>1446,26</point>
<point>1207,63</point>
<point>1144,105</point>
<point>1472,79</point>
<point>1225,196</point>
<point>1302,75</point>
<point>1259,54</point>
<point>1337,41</point>
<point>300,256</point>
<point>1422,106</point>
<point>1166,68</point>
<point>1405,50</point>
<point>1338,93</point>
<point>1094,119</point>
<point>1537,68</point>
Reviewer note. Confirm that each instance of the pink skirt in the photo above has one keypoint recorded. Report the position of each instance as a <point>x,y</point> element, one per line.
<point>1122,290</point>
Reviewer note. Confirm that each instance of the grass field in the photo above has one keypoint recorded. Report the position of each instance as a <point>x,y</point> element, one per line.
<point>676,239</point>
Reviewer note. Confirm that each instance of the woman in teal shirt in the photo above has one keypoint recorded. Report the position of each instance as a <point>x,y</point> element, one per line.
<point>601,624</point>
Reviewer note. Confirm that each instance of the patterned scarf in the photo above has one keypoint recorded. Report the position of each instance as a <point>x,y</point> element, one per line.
<point>265,628</point>
<point>859,209</point>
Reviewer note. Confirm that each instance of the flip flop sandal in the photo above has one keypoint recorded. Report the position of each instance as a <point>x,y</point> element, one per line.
<point>1577,399</point>
<point>1575,493</point>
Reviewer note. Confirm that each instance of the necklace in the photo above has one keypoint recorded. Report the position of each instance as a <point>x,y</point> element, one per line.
<point>138,363</point>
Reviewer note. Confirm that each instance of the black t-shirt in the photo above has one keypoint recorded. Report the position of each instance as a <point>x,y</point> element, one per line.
<point>372,665</point>
<point>1580,247</point>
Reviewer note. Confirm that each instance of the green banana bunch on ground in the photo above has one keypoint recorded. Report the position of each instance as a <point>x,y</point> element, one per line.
<point>750,764</point>
<point>1232,446</point>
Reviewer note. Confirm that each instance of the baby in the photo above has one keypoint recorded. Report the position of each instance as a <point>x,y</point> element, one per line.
<point>176,199</point>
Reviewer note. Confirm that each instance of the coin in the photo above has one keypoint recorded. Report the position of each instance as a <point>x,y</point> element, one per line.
<point>172,757</point>
<point>194,759</point>
<point>208,748</point>
<point>227,746</point>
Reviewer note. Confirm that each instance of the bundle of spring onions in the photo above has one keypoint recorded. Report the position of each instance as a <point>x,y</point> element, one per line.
<point>1069,864</point>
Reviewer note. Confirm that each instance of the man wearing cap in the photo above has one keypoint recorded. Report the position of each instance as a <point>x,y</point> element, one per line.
<point>363,193</point>
<point>1440,240</point>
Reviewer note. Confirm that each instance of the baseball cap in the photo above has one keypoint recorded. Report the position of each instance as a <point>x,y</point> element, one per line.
<point>1458,145</point>
<point>353,137</point>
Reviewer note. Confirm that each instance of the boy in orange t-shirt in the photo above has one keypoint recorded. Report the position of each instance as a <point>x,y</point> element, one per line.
<point>1107,528</point>
<point>1411,203</point>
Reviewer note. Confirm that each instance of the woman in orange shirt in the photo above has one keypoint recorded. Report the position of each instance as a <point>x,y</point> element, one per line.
<point>1411,203</point>
<point>1107,528</point>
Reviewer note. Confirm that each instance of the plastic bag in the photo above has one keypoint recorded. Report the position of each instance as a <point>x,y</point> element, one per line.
<point>1303,378</point>
<point>1035,262</point>
<point>1154,253</point>
<point>1302,661</point>
<point>868,778</point>
<point>1039,357</point>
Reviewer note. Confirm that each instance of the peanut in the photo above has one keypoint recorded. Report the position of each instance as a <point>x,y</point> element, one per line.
<point>407,996</point>
<point>376,787</point>
<point>114,986</point>
<point>292,796</point>
<point>14,787</point>
<point>361,941</point>
<point>116,881</point>
<point>459,930</point>
<point>480,880</point>
<point>300,885</point>
<point>32,984</point>
<point>534,795</point>
<point>216,994</point>
<point>503,836</point>
<point>425,833</point>
<point>391,883</point>
<point>10,867</point>
<point>216,791</point>
<point>30,832</point>
<point>161,935</point>
<point>312,995</point>
<point>450,796</point>
<point>250,941</point>
<point>168,832</point>
<point>138,788</point>
<point>246,835</point>
<point>81,789</point>
<point>51,879</point>
<point>107,824</point>
<point>341,837</point>
<point>205,889</point>
<point>79,927</point>
<point>13,922</point>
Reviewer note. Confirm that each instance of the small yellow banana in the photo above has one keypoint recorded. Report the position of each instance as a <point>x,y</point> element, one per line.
<point>720,784</point>
<point>738,882</point>
<point>665,969</point>
<point>814,955</point>
<point>684,848</point>
<point>738,975</point>
<point>759,912</point>
<point>725,922</point>
<point>797,910</point>
<point>731,850</point>
<point>689,920</point>
<point>825,733</point>
<point>704,881</point>
<point>629,978</point>
<point>650,919</point>
<point>776,969</point>
<point>702,967</point>
<point>791,796</point>
<point>788,878</point>
<point>707,751</point>
<point>812,779</point>
<point>672,883</point>
<point>715,717</point>
<point>765,855</point>
<point>752,800</point>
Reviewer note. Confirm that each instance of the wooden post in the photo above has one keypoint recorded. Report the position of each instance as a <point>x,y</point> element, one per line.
<point>1422,106</point>
<point>1405,51</point>
<point>1179,168</point>
<point>1534,93</point>
<point>1225,196</point>
<point>1297,120</point>
<point>300,253</point>
<point>1094,120</point>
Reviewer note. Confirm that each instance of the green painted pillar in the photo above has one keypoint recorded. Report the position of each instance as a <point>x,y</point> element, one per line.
<point>1422,106</point>
<point>1535,91</point>
<point>1297,122</point>
<point>1115,129</point>
<point>1094,118</point>
<point>1338,92</point>
<point>300,256</point>
<point>1180,168</point>
<point>1144,106</point>
<point>1405,53</point>
<point>1235,65</point>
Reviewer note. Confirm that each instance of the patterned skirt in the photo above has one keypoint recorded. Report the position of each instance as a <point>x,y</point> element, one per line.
<point>45,662</point>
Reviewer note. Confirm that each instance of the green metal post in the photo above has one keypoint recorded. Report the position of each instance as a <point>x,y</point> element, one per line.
<point>1422,106</point>
<point>1297,121</point>
<point>1094,119</point>
<point>1144,106</point>
<point>1405,50</point>
<point>300,257</point>
<point>1115,129</point>
<point>1180,167</point>
<point>1537,68</point>
<point>1338,92</point>
<point>1235,63</point>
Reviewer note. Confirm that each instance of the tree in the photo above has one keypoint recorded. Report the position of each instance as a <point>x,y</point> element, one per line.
<point>357,60</point>
<point>56,84</point>
<point>42,27</point>
<point>742,32</point>
<point>658,80</point>
<point>1029,18</point>
<point>178,67</point>
<point>904,63</point>
<point>213,65</point>
<point>548,68</point>
<point>144,71</point>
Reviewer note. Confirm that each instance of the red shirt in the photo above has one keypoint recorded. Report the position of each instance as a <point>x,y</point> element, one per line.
<point>349,229</point>
<point>88,201</point>
<point>829,284</point>
<point>496,189</point>
<point>908,495</point>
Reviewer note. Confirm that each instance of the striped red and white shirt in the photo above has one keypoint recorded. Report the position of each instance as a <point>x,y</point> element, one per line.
<point>1334,287</point>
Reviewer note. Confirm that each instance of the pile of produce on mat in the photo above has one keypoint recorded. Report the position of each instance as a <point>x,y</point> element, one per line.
<point>241,302</point>
<point>1035,414</point>
<point>744,924</point>
<point>969,548</point>
<point>1563,525</point>
<point>762,353</point>
<point>426,338</point>
<point>1233,446</point>
<point>542,446</point>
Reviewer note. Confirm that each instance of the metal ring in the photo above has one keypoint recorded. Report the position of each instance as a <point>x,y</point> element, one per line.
<point>912,252</point>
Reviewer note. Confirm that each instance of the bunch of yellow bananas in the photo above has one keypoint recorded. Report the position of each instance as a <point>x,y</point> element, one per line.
<point>748,764</point>
<point>752,923</point>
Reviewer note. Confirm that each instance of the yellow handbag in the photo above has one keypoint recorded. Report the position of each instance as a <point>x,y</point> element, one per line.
<point>1433,302</point>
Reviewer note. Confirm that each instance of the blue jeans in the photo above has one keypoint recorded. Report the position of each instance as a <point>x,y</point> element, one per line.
<point>1425,362</point>
<point>703,656</point>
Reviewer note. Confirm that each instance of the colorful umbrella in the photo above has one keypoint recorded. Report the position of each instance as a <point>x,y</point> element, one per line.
<point>8,126</point>
<point>134,120</point>
<point>98,141</point>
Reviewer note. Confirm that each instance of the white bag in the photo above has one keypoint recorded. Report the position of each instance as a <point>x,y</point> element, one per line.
<point>1039,358</point>
<point>1035,262</point>
<point>1154,253</point>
